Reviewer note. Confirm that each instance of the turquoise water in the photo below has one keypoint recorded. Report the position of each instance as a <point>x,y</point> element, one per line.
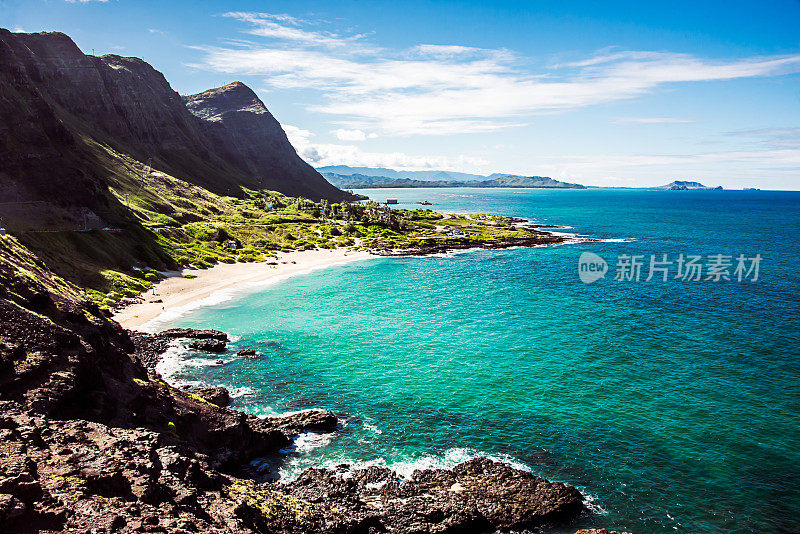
<point>675,405</point>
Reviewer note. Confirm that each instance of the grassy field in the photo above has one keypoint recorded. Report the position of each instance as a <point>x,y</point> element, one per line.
<point>169,223</point>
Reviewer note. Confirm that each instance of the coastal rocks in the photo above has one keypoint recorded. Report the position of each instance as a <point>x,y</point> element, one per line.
<point>306,421</point>
<point>246,352</point>
<point>149,348</point>
<point>10,507</point>
<point>204,340</point>
<point>599,531</point>
<point>194,334</point>
<point>476,496</point>
<point>208,345</point>
<point>91,477</point>
<point>215,395</point>
<point>92,442</point>
<point>462,244</point>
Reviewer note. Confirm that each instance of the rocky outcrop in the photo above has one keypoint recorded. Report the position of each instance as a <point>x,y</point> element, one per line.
<point>208,345</point>
<point>92,441</point>
<point>193,333</point>
<point>461,244</point>
<point>476,496</point>
<point>53,98</point>
<point>215,395</point>
<point>247,134</point>
<point>599,531</point>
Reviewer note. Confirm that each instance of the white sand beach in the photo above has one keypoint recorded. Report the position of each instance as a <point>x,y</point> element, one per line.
<point>178,293</point>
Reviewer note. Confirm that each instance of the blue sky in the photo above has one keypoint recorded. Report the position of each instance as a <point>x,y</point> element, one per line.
<point>623,94</point>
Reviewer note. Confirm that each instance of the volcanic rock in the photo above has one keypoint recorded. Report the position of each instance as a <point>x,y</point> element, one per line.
<point>194,334</point>
<point>208,345</point>
<point>223,139</point>
<point>216,395</point>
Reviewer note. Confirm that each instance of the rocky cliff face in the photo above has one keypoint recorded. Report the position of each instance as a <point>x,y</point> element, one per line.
<point>90,441</point>
<point>54,98</point>
<point>247,134</point>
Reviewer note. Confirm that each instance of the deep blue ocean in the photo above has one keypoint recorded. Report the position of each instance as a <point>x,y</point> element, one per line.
<point>674,405</point>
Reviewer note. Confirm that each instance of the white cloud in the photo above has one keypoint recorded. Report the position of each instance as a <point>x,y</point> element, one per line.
<point>773,137</point>
<point>447,89</point>
<point>298,137</point>
<point>287,28</point>
<point>353,135</point>
<point>322,154</point>
<point>653,120</point>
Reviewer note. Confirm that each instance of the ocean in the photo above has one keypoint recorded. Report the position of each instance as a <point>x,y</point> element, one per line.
<point>674,405</point>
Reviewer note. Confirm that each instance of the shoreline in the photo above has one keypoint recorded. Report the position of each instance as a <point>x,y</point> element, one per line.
<point>176,294</point>
<point>479,477</point>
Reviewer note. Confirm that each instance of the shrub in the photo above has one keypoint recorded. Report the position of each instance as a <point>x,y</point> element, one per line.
<point>200,232</point>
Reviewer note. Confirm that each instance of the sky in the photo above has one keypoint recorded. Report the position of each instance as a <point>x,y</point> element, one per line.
<point>599,93</point>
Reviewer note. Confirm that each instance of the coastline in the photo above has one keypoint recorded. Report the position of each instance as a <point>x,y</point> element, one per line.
<point>176,294</point>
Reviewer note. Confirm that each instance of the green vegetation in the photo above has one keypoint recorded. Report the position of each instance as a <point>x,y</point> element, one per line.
<point>170,224</point>
<point>198,398</point>
<point>272,503</point>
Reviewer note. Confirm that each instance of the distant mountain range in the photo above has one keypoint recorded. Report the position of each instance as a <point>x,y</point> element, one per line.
<point>382,172</point>
<point>683,185</point>
<point>371,178</point>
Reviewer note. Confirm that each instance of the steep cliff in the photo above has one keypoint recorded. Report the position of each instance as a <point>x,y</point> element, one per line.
<point>246,134</point>
<point>54,98</point>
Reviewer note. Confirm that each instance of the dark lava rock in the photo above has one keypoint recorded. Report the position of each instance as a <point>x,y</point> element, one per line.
<point>149,348</point>
<point>194,334</point>
<point>214,395</point>
<point>310,420</point>
<point>208,345</point>
<point>92,442</point>
<point>599,531</point>
<point>439,248</point>
<point>246,352</point>
<point>476,496</point>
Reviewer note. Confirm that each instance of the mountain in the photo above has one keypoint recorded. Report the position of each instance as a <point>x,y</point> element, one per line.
<point>245,133</point>
<point>361,181</point>
<point>61,109</point>
<point>346,177</point>
<point>683,185</point>
<point>541,182</point>
<point>382,172</point>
